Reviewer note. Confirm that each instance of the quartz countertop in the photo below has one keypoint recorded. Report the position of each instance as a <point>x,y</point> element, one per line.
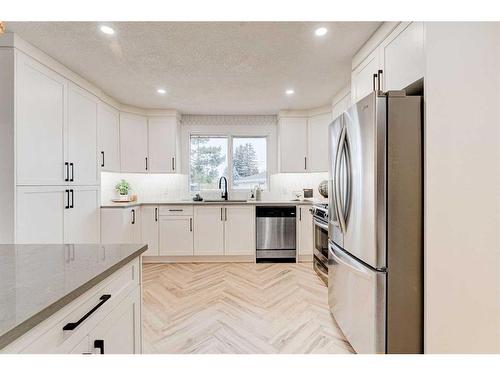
<point>204,203</point>
<point>38,280</point>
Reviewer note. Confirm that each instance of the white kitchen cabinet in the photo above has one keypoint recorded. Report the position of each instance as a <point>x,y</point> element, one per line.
<point>57,214</point>
<point>239,230</point>
<point>82,137</point>
<point>108,124</point>
<point>133,143</point>
<point>402,55</point>
<point>305,231</point>
<point>120,331</point>
<point>40,214</point>
<point>209,230</point>
<point>163,145</point>
<point>40,123</point>
<point>362,76</point>
<point>149,228</point>
<point>82,218</point>
<point>293,144</point>
<point>121,225</point>
<point>176,235</point>
<point>317,141</point>
<point>341,105</point>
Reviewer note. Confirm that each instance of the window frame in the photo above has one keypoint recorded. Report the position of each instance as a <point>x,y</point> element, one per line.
<point>229,137</point>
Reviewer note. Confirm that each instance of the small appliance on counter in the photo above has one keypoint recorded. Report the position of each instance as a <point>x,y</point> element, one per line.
<point>308,193</point>
<point>323,188</point>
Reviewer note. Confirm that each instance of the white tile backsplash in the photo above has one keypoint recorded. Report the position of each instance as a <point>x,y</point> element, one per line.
<point>167,187</point>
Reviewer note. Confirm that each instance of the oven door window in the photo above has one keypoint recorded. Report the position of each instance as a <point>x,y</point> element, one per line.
<point>321,240</point>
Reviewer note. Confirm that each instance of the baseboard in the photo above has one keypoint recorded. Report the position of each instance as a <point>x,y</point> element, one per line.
<point>305,258</point>
<point>200,259</point>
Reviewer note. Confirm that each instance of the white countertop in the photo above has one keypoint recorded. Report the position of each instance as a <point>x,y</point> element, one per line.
<point>203,203</point>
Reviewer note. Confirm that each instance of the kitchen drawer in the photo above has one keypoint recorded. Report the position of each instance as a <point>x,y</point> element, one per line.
<point>179,210</point>
<point>49,336</point>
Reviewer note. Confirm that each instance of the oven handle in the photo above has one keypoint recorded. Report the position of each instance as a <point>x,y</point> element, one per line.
<point>320,224</point>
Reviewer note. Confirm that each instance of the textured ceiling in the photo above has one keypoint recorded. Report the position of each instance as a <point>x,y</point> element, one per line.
<point>207,67</point>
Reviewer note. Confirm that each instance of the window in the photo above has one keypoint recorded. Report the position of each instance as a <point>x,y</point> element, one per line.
<point>249,162</point>
<point>211,155</point>
<point>208,161</point>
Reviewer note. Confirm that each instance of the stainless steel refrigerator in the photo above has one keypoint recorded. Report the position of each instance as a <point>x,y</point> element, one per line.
<point>375,265</point>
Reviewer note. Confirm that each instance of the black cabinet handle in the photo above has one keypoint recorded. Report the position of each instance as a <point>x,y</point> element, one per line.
<point>72,199</point>
<point>156,213</point>
<point>133,216</point>
<point>66,178</point>
<point>146,163</point>
<point>305,162</point>
<point>173,164</point>
<point>190,224</point>
<point>99,344</point>
<point>374,82</point>
<point>300,213</point>
<point>379,77</point>
<point>72,326</point>
<point>67,199</point>
<point>175,210</point>
<point>72,172</point>
<point>102,162</point>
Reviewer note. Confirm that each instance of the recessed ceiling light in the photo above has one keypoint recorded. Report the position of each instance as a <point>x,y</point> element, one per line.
<point>161,91</point>
<point>107,30</point>
<point>320,31</point>
<point>290,92</point>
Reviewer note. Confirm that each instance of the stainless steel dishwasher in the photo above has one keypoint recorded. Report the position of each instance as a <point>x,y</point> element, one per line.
<point>276,239</point>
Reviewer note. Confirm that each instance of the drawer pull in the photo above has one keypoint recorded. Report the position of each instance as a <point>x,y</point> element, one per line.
<point>99,344</point>
<point>72,326</point>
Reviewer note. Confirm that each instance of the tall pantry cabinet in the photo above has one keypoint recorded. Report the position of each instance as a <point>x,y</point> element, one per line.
<point>49,164</point>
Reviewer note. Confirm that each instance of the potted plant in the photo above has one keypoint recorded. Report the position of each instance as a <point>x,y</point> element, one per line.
<point>123,188</point>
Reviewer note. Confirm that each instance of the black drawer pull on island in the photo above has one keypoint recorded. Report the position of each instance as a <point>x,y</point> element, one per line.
<point>72,326</point>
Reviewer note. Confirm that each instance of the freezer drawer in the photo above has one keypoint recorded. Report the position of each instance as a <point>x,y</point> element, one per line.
<point>357,296</point>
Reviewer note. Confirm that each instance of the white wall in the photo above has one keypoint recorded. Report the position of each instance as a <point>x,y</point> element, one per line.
<point>462,188</point>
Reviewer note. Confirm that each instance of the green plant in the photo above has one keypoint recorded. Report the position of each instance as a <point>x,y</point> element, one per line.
<point>122,187</point>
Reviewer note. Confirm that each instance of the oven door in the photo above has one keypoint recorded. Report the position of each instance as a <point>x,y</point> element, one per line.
<point>321,240</point>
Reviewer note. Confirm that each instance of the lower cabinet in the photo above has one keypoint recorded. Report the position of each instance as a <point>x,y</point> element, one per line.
<point>239,230</point>
<point>305,231</point>
<point>149,229</point>
<point>176,235</point>
<point>120,331</point>
<point>57,214</point>
<point>209,233</point>
<point>121,225</point>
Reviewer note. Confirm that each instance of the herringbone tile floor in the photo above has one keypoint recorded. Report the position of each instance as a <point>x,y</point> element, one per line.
<point>237,308</point>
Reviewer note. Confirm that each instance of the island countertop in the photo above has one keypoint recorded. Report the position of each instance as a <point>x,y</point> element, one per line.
<point>36,281</point>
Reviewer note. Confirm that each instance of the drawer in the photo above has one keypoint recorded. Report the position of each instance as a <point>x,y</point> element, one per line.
<point>49,336</point>
<point>179,210</point>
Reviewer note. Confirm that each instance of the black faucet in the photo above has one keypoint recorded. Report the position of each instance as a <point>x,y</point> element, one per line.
<point>224,193</point>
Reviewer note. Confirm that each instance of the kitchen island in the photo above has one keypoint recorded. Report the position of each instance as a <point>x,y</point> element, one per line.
<point>70,298</point>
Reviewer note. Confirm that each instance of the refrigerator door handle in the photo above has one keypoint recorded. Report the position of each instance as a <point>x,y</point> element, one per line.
<point>338,258</point>
<point>336,182</point>
<point>348,201</point>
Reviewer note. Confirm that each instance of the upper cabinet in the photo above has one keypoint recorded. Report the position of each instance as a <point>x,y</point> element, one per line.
<point>317,142</point>
<point>292,144</point>
<point>40,124</point>
<point>108,120</point>
<point>400,56</point>
<point>163,144</point>
<point>133,143</point>
<point>82,137</point>
<point>303,141</point>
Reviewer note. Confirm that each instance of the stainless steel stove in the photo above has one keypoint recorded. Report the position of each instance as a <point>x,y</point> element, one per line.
<point>320,260</point>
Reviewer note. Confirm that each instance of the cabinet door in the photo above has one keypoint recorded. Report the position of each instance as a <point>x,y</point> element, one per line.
<point>40,121</point>
<point>239,231</point>
<point>133,143</point>
<point>120,331</point>
<point>293,144</point>
<point>341,106</point>
<point>318,142</point>
<point>176,235</point>
<point>208,230</point>
<point>362,76</point>
<point>149,228</point>
<point>82,137</point>
<point>305,231</point>
<point>40,214</point>
<point>82,218</point>
<point>402,54</point>
<point>108,124</point>
<point>162,141</point>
